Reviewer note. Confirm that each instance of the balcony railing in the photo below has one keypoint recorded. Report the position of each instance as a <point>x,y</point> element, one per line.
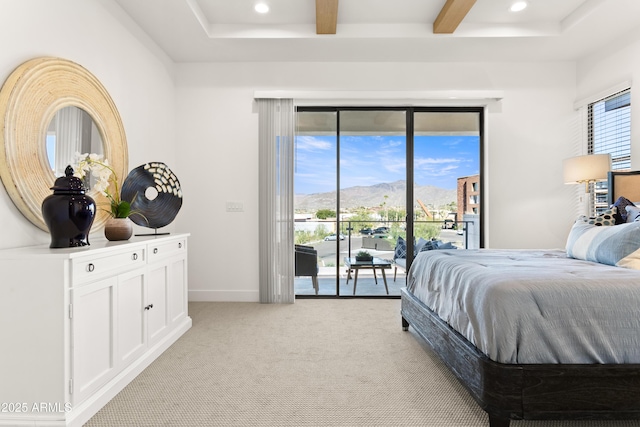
<point>377,238</point>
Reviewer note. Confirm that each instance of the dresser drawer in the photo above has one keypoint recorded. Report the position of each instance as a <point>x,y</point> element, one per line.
<point>166,249</point>
<point>95,267</point>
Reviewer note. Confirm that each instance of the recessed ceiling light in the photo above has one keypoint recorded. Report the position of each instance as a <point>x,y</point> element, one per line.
<point>518,6</point>
<point>262,8</point>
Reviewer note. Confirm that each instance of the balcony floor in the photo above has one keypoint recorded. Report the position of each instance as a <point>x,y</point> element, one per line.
<point>366,284</point>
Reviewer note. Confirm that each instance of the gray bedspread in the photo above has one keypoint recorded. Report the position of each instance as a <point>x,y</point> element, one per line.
<point>533,306</point>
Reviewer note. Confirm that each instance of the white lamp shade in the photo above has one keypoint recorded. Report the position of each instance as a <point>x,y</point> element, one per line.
<point>589,168</point>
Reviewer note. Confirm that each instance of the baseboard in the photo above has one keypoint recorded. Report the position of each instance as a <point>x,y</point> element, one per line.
<point>223,296</point>
<point>29,421</point>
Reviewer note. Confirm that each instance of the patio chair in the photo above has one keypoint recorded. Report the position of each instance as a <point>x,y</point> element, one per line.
<point>307,264</point>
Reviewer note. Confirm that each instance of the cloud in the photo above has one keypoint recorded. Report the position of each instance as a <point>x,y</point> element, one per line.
<point>313,144</point>
<point>436,167</point>
<point>421,162</point>
<point>395,165</point>
<point>450,142</point>
<point>395,143</point>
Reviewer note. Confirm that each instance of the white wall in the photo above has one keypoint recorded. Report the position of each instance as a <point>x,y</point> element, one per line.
<point>527,204</point>
<point>88,33</point>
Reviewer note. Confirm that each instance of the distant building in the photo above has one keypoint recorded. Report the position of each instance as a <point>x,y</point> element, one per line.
<point>468,195</point>
<point>303,217</point>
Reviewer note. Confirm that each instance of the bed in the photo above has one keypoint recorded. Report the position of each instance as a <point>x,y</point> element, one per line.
<point>520,367</point>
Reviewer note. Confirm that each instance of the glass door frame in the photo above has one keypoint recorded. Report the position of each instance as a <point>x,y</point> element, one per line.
<point>410,209</point>
<point>410,168</point>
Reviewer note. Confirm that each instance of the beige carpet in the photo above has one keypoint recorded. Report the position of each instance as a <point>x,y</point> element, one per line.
<point>325,362</point>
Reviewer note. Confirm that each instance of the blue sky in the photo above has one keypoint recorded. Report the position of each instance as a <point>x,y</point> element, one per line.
<point>369,160</point>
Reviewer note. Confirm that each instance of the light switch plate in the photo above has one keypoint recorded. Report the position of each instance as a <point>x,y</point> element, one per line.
<point>235,207</point>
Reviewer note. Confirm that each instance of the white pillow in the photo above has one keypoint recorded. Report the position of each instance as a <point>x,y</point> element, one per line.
<point>618,245</point>
<point>633,213</point>
<point>419,246</point>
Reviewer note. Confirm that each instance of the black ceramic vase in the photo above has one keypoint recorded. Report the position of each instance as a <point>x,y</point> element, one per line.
<point>68,212</point>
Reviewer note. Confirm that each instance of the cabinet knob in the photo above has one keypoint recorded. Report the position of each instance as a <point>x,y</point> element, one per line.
<point>134,256</point>
<point>179,245</point>
<point>90,267</point>
<point>155,250</point>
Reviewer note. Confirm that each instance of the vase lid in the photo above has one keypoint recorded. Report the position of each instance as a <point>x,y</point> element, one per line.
<point>69,183</point>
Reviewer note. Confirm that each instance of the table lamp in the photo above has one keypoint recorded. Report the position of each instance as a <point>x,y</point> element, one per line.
<point>588,168</point>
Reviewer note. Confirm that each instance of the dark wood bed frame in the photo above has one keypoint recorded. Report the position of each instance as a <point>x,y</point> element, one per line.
<point>530,392</point>
<point>544,391</point>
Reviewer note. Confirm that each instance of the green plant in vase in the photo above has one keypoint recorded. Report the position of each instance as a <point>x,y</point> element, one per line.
<point>364,256</point>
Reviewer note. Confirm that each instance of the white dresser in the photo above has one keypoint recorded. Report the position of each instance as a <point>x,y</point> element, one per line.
<point>78,324</point>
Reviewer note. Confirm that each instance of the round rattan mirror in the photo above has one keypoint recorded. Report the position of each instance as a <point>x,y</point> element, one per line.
<point>29,99</point>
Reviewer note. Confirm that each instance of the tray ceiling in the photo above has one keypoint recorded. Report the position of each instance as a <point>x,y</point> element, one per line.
<point>382,30</point>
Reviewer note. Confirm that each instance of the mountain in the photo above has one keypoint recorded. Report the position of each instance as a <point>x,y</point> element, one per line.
<point>374,196</point>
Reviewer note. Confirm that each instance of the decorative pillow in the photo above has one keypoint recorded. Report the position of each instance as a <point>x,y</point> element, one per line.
<point>633,213</point>
<point>419,245</point>
<point>621,206</point>
<point>447,245</point>
<point>605,218</point>
<point>436,244</point>
<point>429,246</point>
<point>619,245</point>
<point>400,250</point>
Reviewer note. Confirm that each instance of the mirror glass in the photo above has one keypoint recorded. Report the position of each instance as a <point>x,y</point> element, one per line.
<point>71,131</point>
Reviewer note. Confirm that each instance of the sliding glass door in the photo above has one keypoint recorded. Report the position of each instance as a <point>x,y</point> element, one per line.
<point>447,186</point>
<point>372,197</point>
<point>316,198</point>
<point>352,196</point>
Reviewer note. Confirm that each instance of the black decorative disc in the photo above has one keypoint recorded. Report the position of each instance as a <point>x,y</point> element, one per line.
<point>153,191</point>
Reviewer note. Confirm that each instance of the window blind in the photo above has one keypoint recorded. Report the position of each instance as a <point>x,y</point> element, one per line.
<point>609,131</point>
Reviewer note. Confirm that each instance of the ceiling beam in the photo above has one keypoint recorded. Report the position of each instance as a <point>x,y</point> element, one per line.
<point>452,13</point>
<point>326,16</point>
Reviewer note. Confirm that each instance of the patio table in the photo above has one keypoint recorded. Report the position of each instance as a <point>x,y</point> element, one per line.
<point>375,263</point>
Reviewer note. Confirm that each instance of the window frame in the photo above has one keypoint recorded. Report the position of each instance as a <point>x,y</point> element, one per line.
<point>619,145</point>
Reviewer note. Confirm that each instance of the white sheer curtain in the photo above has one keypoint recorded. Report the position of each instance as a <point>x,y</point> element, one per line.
<point>68,133</point>
<point>276,140</point>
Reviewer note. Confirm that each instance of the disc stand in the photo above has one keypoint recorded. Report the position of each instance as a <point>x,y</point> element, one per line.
<point>155,233</point>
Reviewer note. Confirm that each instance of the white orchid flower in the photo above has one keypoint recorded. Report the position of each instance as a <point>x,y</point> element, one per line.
<point>106,181</point>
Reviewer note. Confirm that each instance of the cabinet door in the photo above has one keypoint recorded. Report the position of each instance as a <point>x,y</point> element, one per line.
<point>93,343</point>
<point>156,303</point>
<point>130,314</point>
<point>178,289</point>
